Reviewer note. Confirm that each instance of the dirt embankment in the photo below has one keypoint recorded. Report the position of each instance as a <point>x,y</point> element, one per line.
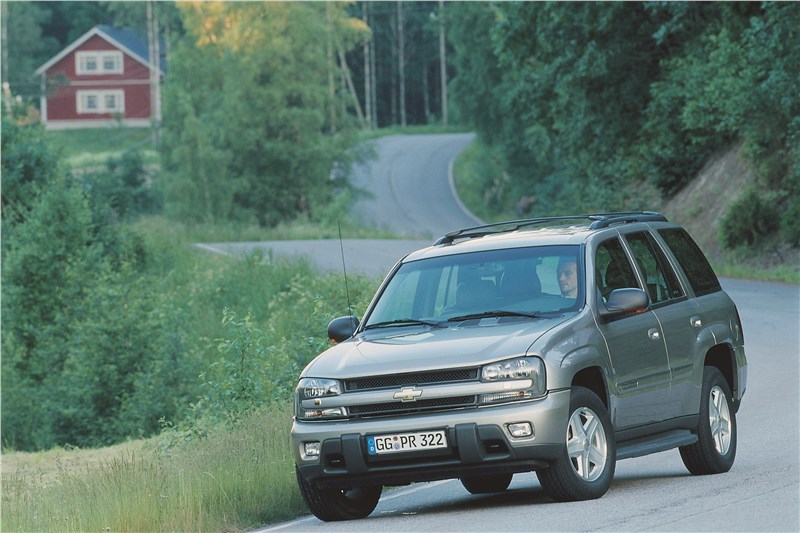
<point>701,205</point>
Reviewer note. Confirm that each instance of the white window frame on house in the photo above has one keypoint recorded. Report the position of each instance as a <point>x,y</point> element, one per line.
<point>87,63</point>
<point>97,102</point>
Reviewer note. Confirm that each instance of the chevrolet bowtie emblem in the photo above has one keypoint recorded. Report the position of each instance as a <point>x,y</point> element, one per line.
<point>407,394</point>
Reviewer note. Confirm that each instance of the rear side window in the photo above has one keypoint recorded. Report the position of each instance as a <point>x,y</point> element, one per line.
<point>693,262</point>
<point>662,284</point>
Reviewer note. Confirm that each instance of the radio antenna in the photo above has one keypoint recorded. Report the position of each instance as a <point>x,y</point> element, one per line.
<point>344,268</point>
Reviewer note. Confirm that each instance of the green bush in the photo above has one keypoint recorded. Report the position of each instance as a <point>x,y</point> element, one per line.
<point>790,214</point>
<point>749,219</point>
<point>28,165</point>
<point>249,373</point>
<point>123,188</point>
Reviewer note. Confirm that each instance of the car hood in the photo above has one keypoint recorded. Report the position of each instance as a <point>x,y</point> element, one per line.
<point>423,348</point>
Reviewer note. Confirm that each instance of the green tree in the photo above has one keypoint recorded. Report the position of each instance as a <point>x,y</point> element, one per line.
<point>249,115</point>
<point>26,46</point>
<point>28,166</point>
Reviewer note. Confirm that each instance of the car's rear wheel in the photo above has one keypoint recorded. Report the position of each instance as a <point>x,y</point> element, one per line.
<point>586,469</point>
<point>715,449</point>
<point>339,504</point>
<point>487,484</point>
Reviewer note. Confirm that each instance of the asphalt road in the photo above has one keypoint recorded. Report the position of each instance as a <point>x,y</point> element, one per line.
<point>410,185</point>
<point>411,189</point>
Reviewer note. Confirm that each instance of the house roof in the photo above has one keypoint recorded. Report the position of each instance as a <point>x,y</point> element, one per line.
<point>130,41</point>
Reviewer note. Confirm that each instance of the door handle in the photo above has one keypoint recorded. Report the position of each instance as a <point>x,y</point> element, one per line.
<point>696,322</point>
<point>654,334</point>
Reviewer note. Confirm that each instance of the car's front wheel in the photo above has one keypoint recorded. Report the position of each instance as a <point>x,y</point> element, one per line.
<point>586,469</point>
<point>339,504</point>
<point>715,449</point>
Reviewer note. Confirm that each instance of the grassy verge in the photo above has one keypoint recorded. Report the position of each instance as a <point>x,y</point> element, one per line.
<point>92,147</point>
<point>409,130</point>
<point>297,230</point>
<point>469,172</point>
<point>731,268</point>
<point>228,481</point>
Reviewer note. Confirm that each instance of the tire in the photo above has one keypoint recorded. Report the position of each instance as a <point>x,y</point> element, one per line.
<point>487,484</point>
<point>586,469</point>
<point>332,505</point>
<point>715,449</point>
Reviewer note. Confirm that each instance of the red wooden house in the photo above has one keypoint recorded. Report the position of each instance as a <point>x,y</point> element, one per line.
<point>103,78</point>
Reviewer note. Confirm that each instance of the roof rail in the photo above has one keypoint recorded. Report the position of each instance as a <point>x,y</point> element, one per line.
<point>604,220</point>
<point>598,220</point>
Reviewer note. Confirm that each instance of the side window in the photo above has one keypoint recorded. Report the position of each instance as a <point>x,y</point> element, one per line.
<point>662,283</point>
<point>693,262</point>
<point>612,268</point>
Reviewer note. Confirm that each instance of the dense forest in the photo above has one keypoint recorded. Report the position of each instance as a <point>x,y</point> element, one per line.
<point>107,324</point>
<point>583,101</point>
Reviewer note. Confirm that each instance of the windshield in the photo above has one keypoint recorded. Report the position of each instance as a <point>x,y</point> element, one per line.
<point>523,283</point>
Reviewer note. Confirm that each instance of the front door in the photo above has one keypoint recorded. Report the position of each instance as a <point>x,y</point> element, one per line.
<point>641,373</point>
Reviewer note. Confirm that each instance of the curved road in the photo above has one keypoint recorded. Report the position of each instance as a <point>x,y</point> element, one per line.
<point>407,189</point>
<point>412,195</point>
<point>410,187</point>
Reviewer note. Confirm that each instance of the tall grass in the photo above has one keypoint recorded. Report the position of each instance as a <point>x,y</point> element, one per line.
<point>228,481</point>
<point>216,471</point>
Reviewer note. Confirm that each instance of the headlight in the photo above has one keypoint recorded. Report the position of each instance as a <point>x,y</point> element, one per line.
<point>310,395</point>
<point>527,371</point>
<point>310,388</point>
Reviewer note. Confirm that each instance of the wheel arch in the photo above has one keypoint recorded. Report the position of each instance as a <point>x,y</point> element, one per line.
<point>723,358</point>
<point>592,378</point>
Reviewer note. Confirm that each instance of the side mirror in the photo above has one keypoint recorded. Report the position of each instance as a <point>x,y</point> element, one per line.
<point>625,302</point>
<point>342,328</point>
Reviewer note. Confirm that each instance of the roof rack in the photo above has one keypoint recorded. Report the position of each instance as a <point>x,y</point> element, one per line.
<point>604,220</point>
<point>598,221</point>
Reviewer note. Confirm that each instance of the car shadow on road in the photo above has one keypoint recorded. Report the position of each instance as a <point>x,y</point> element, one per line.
<point>525,491</point>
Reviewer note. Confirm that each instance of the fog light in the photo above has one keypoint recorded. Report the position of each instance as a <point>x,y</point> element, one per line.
<point>520,429</point>
<point>324,413</point>
<point>312,448</point>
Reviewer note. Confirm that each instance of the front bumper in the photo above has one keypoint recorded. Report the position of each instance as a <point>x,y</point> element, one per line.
<point>479,443</point>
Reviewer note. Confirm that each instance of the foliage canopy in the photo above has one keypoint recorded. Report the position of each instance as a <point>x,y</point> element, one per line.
<point>584,102</point>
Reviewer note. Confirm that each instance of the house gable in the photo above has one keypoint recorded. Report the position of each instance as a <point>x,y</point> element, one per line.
<point>126,40</point>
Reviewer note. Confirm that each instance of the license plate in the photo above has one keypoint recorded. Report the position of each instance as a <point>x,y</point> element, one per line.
<point>406,442</point>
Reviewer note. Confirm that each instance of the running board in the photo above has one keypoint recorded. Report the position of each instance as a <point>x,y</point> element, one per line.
<point>655,443</point>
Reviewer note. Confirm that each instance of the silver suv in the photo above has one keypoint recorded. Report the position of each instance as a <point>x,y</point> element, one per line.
<point>556,345</point>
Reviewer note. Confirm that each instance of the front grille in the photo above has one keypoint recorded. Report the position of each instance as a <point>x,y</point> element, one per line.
<point>419,378</point>
<point>395,408</point>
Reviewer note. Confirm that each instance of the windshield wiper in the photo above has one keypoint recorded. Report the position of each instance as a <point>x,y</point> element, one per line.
<point>403,322</point>
<point>493,314</point>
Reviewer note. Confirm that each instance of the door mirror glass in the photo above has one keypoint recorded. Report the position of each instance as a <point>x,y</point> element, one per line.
<point>625,302</point>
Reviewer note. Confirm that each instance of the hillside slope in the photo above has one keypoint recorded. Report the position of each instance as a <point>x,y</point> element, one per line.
<point>701,205</point>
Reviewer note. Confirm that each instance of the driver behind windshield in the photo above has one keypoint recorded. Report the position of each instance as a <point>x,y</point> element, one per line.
<point>567,274</point>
